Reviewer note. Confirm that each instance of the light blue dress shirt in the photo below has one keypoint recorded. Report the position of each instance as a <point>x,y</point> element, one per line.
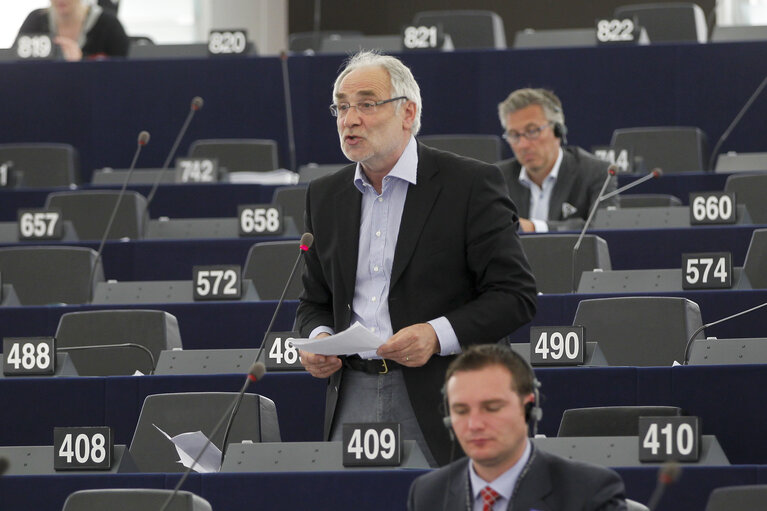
<point>540,197</point>
<point>503,484</point>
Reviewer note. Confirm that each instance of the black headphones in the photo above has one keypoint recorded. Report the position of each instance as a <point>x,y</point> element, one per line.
<point>533,411</point>
<point>559,129</point>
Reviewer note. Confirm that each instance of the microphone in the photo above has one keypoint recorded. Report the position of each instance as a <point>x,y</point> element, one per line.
<point>702,327</point>
<point>143,139</point>
<point>734,123</point>
<point>255,373</point>
<point>654,173</point>
<point>611,171</point>
<point>306,241</point>
<point>667,475</point>
<point>120,345</point>
<point>288,110</point>
<point>196,105</point>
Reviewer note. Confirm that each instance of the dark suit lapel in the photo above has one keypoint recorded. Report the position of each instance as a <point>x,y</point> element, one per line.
<point>418,204</point>
<point>347,203</point>
<point>562,188</point>
<point>457,488</point>
<point>533,486</point>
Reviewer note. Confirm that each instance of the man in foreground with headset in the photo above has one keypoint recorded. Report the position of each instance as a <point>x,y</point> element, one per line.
<point>549,181</point>
<point>490,394</point>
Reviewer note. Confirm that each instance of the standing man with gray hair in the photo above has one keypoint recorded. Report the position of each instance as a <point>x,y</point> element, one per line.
<point>549,181</point>
<point>418,245</point>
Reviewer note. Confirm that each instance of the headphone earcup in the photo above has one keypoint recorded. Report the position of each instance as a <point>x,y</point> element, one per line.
<point>560,131</point>
<point>449,426</point>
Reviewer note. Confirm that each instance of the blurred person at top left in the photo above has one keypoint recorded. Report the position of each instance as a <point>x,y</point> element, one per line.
<point>81,29</point>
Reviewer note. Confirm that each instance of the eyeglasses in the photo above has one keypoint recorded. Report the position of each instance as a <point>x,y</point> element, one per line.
<point>530,133</point>
<point>363,107</point>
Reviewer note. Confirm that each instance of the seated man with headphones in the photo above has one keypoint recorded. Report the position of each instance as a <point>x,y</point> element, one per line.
<point>491,395</point>
<point>549,182</point>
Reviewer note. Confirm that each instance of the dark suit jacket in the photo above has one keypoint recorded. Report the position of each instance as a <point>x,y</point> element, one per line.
<point>547,483</point>
<point>580,178</point>
<point>457,255</point>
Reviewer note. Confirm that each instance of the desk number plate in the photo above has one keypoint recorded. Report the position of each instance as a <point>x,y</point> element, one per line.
<point>29,356</point>
<point>669,438</point>
<point>711,270</point>
<point>557,345</point>
<point>280,354</point>
<point>374,444</point>
<point>88,448</point>
<point>222,282</point>
<point>260,220</point>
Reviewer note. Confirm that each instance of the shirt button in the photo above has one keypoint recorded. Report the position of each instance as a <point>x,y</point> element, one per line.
<point>373,299</point>
<point>378,234</point>
<point>375,268</point>
<point>380,199</point>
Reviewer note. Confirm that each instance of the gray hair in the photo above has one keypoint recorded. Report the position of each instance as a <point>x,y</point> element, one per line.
<point>522,98</point>
<point>402,81</point>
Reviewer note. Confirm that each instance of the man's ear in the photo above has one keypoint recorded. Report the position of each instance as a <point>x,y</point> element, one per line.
<point>409,113</point>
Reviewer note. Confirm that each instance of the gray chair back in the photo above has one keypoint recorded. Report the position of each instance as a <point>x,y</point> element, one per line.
<point>256,420</point>
<point>90,211</point>
<point>131,499</point>
<point>667,22</point>
<point>551,259</point>
<point>750,190</point>
<point>742,498</point>
<point>485,148</point>
<point>43,165</point>
<point>268,264</point>
<point>610,420</point>
<point>293,202</point>
<point>311,171</point>
<point>43,275</point>
<point>755,264</point>
<point>251,155</point>
<point>640,331</point>
<point>468,29</point>
<point>154,329</point>
<point>672,148</point>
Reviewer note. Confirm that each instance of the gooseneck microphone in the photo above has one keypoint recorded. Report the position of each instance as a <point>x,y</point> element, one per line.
<point>288,110</point>
<point>668,474</point>
<point>256,372</point>
<point>611,171</point>
<point>143,139</point>
<point>119,345</point>
<point>703,327</point>
<point>653,174</point>
<point>306,241</point>
<point>734,123</point>
<point>196,105</point>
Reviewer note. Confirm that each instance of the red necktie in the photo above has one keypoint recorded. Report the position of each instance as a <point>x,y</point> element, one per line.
<point>489,496</point>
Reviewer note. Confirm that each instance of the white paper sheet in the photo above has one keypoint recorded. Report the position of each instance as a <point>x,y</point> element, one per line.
<point>189,445</point>
<point>355,339</point>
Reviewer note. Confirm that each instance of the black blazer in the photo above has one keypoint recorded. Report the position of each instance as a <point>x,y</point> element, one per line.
<point>547,483</point>
<point>580,178</point>
<point>458,255</point>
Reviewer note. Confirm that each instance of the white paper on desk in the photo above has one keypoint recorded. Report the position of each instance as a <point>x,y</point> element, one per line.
<point>189,445</point>
<point>354,339</point>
